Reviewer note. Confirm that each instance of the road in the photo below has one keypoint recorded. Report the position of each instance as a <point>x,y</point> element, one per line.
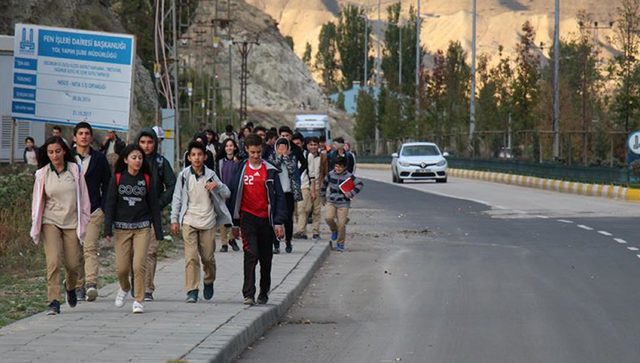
<point>470,271</point>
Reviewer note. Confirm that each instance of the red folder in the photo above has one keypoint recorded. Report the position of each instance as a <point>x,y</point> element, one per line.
<point>347,186</point>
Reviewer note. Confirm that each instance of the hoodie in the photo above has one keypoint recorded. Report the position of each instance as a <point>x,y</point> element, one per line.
<point>163,181</point>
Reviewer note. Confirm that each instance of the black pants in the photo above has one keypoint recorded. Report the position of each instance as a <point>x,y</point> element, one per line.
<point>288,225</point>
<point>257,238</point>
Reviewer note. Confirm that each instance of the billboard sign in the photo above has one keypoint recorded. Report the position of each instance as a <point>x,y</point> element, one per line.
<point>65,76</point>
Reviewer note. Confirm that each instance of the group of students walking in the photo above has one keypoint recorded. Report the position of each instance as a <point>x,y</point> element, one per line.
<point>248,186</point>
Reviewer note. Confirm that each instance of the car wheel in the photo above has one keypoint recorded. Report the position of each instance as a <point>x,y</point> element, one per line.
<point>394,178</point>
<point>441,180</point>
<point>400,180</point>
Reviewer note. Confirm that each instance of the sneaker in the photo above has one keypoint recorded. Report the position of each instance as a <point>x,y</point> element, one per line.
<point>289,247</point>
<point>120,297</point>
<point>340,247</point>
<point>92,293</point>
<point>249,301</point>
<point>276,250</point>
<point>224,248</point>
<point>262,299</point>
<point>300,235</point>
<point>80,294</point>
<point>234,245</point>
<point>334,236</point>
<point>148,296</point>
<point>72,298</point>
<point>331,245</point>
<point>137,308</point>
<point>192,296</point>
<point>54,308</point>
<point>316,236</point>
<point>208,291</point>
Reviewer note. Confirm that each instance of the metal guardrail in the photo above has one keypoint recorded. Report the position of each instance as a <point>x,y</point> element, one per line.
<point>583,174</point>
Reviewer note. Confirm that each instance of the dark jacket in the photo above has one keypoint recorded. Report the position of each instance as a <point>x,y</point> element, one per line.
<point>351,162</point>
<point>97,177</point>
<point>277,202</point>
<point>299,154</point>
<point>162,178</point>
<point>120,145</point>
<point>111,209</point>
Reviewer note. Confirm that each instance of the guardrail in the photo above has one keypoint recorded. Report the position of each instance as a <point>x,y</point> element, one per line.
<point>583,174</point>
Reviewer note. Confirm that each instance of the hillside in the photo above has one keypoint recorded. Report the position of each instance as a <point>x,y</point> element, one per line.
<point>499,21</point>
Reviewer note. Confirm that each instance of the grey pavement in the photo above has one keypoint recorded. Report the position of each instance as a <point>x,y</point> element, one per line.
<point>208,331</point>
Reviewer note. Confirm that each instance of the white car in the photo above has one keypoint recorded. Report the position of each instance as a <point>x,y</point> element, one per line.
<point>419,161</point>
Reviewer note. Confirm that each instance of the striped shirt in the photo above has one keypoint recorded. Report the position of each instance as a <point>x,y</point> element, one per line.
<point>331,188</point>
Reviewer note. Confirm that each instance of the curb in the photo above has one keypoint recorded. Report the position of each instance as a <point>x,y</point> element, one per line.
<point>594,190</point>
<point>240,331</point>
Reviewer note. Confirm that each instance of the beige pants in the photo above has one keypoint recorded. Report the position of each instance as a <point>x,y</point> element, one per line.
<point>151,262</point>
<point>341,214</point>
<point>131,246</point>
<point>225,235</point>
<point>305,206</point>
<point>199,245</point>
<point>88,271</point>
<point>61,246</point>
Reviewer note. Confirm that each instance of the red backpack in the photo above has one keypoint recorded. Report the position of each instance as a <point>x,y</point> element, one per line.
<point>147,180</point>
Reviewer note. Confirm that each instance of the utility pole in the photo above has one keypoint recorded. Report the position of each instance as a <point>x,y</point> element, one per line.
<point>418,24</point>
<point>378,83</point>
<point>366,51</point>
<point>244,48</point>
<point>472,103</point>
<point>556,84</point>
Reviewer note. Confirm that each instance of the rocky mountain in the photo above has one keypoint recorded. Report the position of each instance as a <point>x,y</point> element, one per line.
<point>499,21</point>
<point>279,82</point>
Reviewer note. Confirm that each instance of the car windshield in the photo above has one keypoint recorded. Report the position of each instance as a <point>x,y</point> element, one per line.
<point>311,132</point>
<point>420,150</point>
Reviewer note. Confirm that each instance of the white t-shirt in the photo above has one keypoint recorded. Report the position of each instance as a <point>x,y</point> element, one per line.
<point>200,212</point>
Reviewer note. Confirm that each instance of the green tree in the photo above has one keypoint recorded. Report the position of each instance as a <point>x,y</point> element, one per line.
<point>624,67</point>
<point>326,57</point>
<point>457,76</point>
<point>306,57</point>
<point>351,45</point>
<point>365,125</point>
<point>289,40</point>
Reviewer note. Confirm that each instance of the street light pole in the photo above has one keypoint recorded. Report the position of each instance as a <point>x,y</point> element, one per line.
<point>400,56</point>
<point>472,103</point>
<point>418,23</point>
<point>556,83</point>
<point>366,48</point>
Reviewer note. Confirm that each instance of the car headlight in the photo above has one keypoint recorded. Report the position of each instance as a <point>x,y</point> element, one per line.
<point>442,162</point>
<point>403,163</point>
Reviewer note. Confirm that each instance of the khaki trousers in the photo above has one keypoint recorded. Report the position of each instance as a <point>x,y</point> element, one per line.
<point>88,271</point>
<point>341,214</point>
<point>131,249</point>
<point>61,246</point>
<point>199,245</point>
<point>225,235</point>
<point>306,206</point>
<point>151,262</point>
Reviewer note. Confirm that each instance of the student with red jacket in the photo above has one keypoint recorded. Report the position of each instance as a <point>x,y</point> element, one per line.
<point>258,207</point>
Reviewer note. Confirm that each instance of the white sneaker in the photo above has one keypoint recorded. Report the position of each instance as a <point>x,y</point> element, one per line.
<point>120,297</point>
<point>137,308</point>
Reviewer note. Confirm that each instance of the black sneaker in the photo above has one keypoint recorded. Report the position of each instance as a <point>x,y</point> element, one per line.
<point>276,250</point>
<point>148,296</point>
<point>192,296</point>
<point>316,236</point>
<point>234,245</point>
<point>224,248</point>
<point>300,235</point>
<point>208,291</point>
<point>54,308</point>
<point>81,294</point>
<point>289,247</point>
<point>72,298</point>
<point>262,299</point>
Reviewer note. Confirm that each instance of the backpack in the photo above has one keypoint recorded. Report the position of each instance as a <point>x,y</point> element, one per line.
<point>147,180</point>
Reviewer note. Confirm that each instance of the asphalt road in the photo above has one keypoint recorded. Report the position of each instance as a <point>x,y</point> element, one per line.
<point>517,275</point>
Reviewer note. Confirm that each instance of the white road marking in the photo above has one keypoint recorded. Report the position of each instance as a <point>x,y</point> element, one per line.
<point>564,221</point>
<point>633,248</point>
<point>585,227</point>
<point>620,240</point>
<point>638,256</point>
<point>542,217</point>
<point>605,233</point>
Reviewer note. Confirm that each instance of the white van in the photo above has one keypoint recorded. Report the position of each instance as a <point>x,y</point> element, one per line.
<point>314,125</point>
